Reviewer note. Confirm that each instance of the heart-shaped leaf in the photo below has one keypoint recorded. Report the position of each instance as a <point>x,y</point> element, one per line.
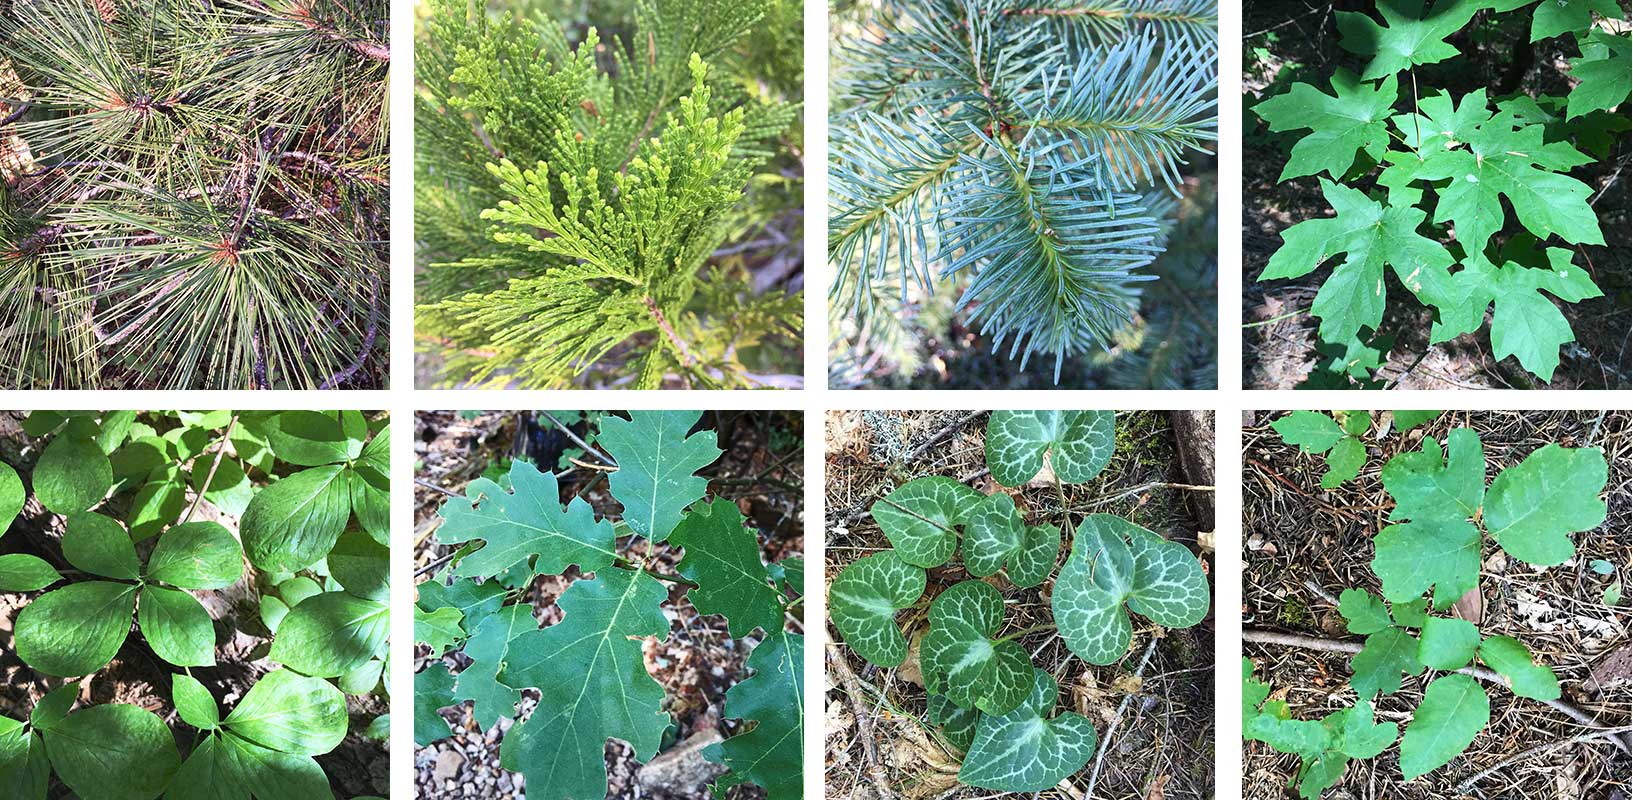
<point>920,518</point>
<point>996,536</point>
<point>1026,751</point>
<point>1534,505</point>
<point>863,601</point>
<point>73,474</point>
<point>963,662</point>
<point>957,724</point>
<point>1078,443</point>
<point>177,626</point>
<point>655,480</point>
<point>1513,661</point>
<point>1454,710</point>
<point>197,555</point>
<point>1114,561</point>
<point>75,630</point>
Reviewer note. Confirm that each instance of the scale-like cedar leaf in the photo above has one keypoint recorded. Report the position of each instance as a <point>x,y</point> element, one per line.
<point>1385,656</point>
<point>1524,676</point>
<point>1454,710</point>
<point>1371,235</point>
<point>655,480</point>
<point>995,537</point>
<point>488,648</point>
<point>1534,506</point>
<point>863,601</point>
<point>1114,561</point>
<point>723,558</point>
<point>524,523</point>
<point>919,518</point>
<point>1603,70</point>
<point>593,685</point>
<point>770,754</point>
<point>1411,34</point>
<point>1447,644</point>
<point>963,661</point>
<point>1354,118</point>
<point>1078,443</point>
<point>1025,750</point>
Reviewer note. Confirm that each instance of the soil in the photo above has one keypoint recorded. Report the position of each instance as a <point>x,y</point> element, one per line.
<point>1304,545</point>
<point>877,743</point>
<point>1292,40</point>
<point>761,470</point>
<point>136,676</point>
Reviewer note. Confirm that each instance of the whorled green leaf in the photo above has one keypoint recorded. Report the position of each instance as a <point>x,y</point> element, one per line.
<point>100,546</point>
<point>194,703</point>
<point>723,558</point>
<point>1555,17</point>
<point>73,474</point>
<point>20,572</point>
<point>961,658</point>
<point>1078,443</point>
<point>176,626</point>
<point>316,438</point>
<point>54,706</point>
<point>921,518</point>
<point>1410,34</point>
<point>1363,612</point>
<point>77,629</point>
<point>330,634</point>
<point>158,503</point>
<point>196,555</point>
<point>211,772</point>
<point>1534,506</point>
<point>230,489</point>
<point>1407,419</point>
<point>957,724</point>
<point>488,648</point>
<point>277,775</point>
<point>440,629</point>
<point>25,772</point>
<point>362,566</point>
<point>294,523</point>
<point>12,496</point>
<point>769,755</point>
<point>433,689</point>
<point>1025,750</point>
<point>1454,711</point>
<point>290,713</point>
<point>525,523</point>
<point>113,752</point>
<point>1387,655</point>
<point>593,683</point>
<point>995,537</point>
<point>1354,118</point>
<point>370,483</point>
<point>1524,676</point>
<point>655,479</point>
<point>863,600</point>
<point>1447,644</point>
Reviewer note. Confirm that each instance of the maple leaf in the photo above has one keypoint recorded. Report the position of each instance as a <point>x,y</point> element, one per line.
<point>1410,34</point>
<point>1353,118</point>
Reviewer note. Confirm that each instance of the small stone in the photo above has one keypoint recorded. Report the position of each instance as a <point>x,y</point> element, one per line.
<point>448,764</point>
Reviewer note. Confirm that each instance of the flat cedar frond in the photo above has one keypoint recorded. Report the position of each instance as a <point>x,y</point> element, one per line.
<point>591,260</point>
<point>207,198</point>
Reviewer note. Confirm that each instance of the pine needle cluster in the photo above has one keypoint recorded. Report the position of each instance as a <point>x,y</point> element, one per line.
<point>195,194</point>
<point>1017,151</point>
<point>576,198</point>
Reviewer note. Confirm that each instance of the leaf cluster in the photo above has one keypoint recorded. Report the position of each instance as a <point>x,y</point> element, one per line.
<point>987,696</point>
<point>571,206</point>
<point>589,667</point>
<point>1464,199</point>
<point>1338,437</point>
<point>1434,542</point>
<point>195,194</point>
<point>122,481</point>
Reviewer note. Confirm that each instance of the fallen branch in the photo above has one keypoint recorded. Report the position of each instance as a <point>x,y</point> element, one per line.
<point>1468,784</point>
<point>1099,758</point>
<point>864,722</point>
<point>1351,647</point>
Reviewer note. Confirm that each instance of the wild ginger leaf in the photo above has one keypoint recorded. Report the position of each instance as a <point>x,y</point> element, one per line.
<point>20,572</point>
<point>293,523</point>
<point>100,546</point>
<point>330,634</point>
<point>770,754</point>
<point>488,648</point>
<point>655,480</point>
<point>1354,118</point>
<point>1447,644</point>
<point>1410,34</point>
<point>1534,506</point>
<point>723,558</point>
<point>290,713</point>
<point>920,518</point>
<point>1079,444</point>
<point>1385,656</point>
<point>73,474</point>
<point>1363,612</point>
<point>1602,69</point>
<point>176,625</point>
<point>957,724</point>
<point>1114,561</point>
<point>1454,711</point>
<point>75,630</point>
<point>440,628</point>
<point>114,751</point>
<point>527,522</point>
<point>1025,750</point>
<point>963,661</point>
<point>995,536</point>
<point>863,601</point>
<point>1372,236</point>
<point>197,555</point>
<point>593,683</point>
<point>1524,676</point>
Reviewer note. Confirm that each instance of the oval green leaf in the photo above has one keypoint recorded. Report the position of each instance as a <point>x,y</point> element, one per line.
<point>77,629</point>
<point>20,572</point>
<point>73,474</point>
<point>1454,711</point>
<point>194,703</point>
<point>197,555</point>
<point>12,496</point>
<point>362,566</point>
<point>290,713</point>
<point>863,601</point>
<point>176,626</point>
<point>1513,661</point>
<point>113,752</point>
<point>1447,644</point>
<point>295,522</point>
<point>331,634</point>
<point>317,438</point>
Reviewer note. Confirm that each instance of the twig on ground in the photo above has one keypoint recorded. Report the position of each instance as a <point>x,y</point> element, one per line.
<point>586,446</point>
<point>939,435</point>
<point>1099,758</point>
<point>1468,784</point>
<point>864,722</point>
<point>220,450</point>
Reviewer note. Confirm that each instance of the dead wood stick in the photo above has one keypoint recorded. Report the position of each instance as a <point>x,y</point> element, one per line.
<point>1105,741</point>
<point>864,721</point>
